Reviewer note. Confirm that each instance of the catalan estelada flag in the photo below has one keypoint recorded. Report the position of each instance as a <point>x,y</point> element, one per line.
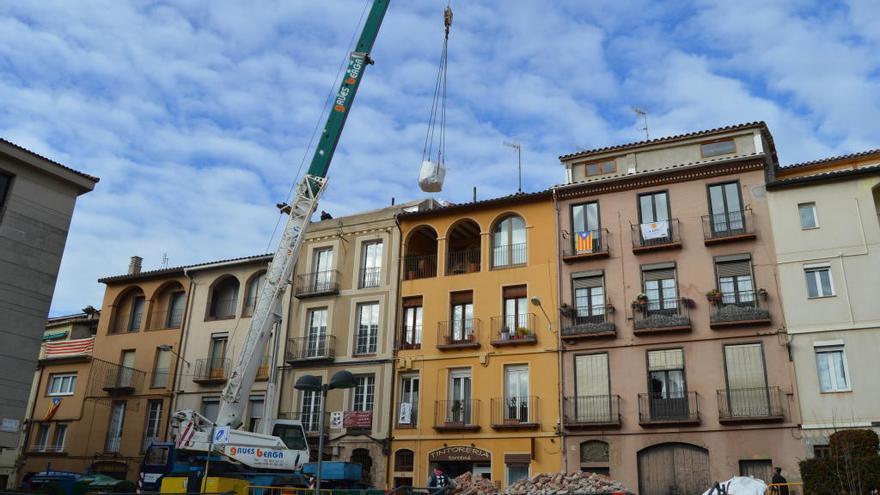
<point>53,407</point>
<point>583,241</point>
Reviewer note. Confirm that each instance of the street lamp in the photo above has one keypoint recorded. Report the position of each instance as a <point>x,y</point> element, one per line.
<point>312,383</point>
<point>536,301</point>
<point>169,348</point>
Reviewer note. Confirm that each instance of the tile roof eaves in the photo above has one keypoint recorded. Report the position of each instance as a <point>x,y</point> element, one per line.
<point>665,139</point>
<point>820,161</point>
<point>181,269</point>
<point>478,204</point>
<point>53,162</point>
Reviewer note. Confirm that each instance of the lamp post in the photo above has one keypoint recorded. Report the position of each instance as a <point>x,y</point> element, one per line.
<point>312,383</point>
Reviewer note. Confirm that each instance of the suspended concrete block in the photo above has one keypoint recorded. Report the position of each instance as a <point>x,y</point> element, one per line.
<point>431,176</point>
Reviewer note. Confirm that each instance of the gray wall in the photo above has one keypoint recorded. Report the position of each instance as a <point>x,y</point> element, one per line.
<point>33,230</point>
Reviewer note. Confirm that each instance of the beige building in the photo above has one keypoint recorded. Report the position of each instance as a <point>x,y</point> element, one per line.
<point>826,222</point>
<point>675,368</point>
<point>343,318</point>
<point>222,300</point>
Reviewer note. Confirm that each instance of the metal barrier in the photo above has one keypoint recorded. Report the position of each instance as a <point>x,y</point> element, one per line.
<point>796,488</point>
<point>285,490</point>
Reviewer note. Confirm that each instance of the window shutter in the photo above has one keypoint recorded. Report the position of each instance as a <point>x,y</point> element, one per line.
<point>661,274</point>
<point>745,366</point>
<point>734,268</point>
<point>515,291</point>
<point>668,359</point>
<point>517,458</point>
<point>587,282</point>
<point>412,302</point>
<point>591,375</point>
<point>464,297</point>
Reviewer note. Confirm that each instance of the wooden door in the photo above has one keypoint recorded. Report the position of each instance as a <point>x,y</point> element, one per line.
<point>673,469</point>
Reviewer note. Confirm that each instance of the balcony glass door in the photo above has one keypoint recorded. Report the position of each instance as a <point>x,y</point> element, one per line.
<point>726,209</point>
<point>316,343</point>
<point>323,266</point>
<point>459,405</point>
<point>516,394</point>
<point>666,385</point>
<point>747,392</point>
<point>114,432</point>
<point>592,401</point>
<point>409,401</point>
<point>126,370</point>
<point>515,315</point>
<point>654,218</point>
<point>585,233</point>
<point>217,365</point>
<point>589,300</point>
<point>462,322</point>
<point>662,296</point>
<point>311,410</point>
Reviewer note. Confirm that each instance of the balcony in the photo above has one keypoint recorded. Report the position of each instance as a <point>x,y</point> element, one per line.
<point>739,310</point>
<point>115,379</point>
<point>580,246</point>
<point>463,261</point>
<point>309,420</point>
<point>74,350</point>
<point>458,334</point>
<point>369,277</point>
<point>407,414</point>
<point>410,337</point>
<point>578,326</point>
<point>655,410</point>
<point>45,449</point>
<point>660,316</point>
<point>211,371</point>
<point>731,226</point>
<point>307,350</point>
<point>750,405</point>
<point>164,318</point>
<point>510,255</point>
<point>456,415</point>
<point>513,330</point>
<point>655,236</point>
<point>419,266</point>
<point>315,284</point>
<point>515,413</point>
<point>591,412</point>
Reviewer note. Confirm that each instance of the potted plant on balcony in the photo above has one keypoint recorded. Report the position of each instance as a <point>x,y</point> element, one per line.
<point>522,333</point>
<point>566,310</point>
<point>455,412</point>
<point>714,296</point>
<point>688,303</point>
<point>762,293</point>
<point>505,333</point>
<point>641,302</point>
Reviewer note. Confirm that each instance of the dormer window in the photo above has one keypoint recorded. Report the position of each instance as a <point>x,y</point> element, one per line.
<point>600,168</point>
<point>716,148</point>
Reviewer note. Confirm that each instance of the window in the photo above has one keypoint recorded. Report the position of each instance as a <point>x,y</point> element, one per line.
<point>409,401</point>
<point>725,207</point>
<point>462,318</point>
<point>137,314</point>
<point>735,280</point>
<point>589,298</point>
<point>516,307</point>
<point>667,391</point>
<point>717,148</point>
<point>833,373</point>
<point>210,407</point>
<point>761,469</point>
<point>254,286</point>
<point>516,393</point>
<point>58,439</point>
<point>176,304</point>
<point>126,370</point>
<point>62,384</point>
<point>819,282</point>
<point>807,213</point>
<point>509,242</point>
<point>654,217</point>
<point>404,460</point>
<point>41,439</point>
<point>311,410</point>
<point>217,357</point>
<point>747,394</point>
<point>160,369</point>
<point>154,422</point>
<point>368,328</point>
<point>412,323</point>
<point>595,457</point>
<point>316,342</point>
<point>821,451</point>
<point>660,287</point>
<point>516,472</point>
<point>585,228</point>
<point>114,432</point>
<point>255,412</point>
<point>224,298</point>
<point>592,403</point>
<point>600,168</point>
<point>371,264</point>
<point>459,404</point>
<point>362,399</point>
<point>322,275</point>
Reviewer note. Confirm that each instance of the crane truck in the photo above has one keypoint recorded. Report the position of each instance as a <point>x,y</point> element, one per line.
<point>277,453</point>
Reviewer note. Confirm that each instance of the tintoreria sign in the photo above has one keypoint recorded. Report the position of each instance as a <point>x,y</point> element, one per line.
<point>460,453</point>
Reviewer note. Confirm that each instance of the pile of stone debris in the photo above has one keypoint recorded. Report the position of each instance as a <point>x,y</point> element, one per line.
<point>543,484</point>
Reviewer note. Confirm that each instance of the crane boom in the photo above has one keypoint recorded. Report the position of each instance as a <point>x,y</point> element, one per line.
<point>268,307</point>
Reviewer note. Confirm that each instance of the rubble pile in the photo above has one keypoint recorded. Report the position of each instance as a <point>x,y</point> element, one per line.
<point>564,484</point>
<point>466,484</point>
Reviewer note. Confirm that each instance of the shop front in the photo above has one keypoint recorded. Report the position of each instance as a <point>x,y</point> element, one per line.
<point>456,460</point>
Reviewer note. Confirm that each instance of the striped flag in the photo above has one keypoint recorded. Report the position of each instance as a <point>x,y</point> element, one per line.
<point>584,241</point>
<point>53,408</point>
<point>69,347</point>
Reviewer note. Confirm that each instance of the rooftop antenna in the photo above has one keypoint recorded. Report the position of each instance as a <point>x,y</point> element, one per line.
<point>164,260</point>
<point>518,148</point>
<point>644,115</point>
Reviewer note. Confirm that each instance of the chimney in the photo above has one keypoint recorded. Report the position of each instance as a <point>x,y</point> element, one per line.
<point>135,265</point>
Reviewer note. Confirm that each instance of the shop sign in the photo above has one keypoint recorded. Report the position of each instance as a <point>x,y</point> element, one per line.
<point>361,420</point>
<point>460,453</point>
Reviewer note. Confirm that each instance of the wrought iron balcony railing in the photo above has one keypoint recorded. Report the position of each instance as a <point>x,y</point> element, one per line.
<point>115,379</point>
<point>656,410</point>
<point>661,315</point>
<point>591,411</point>
<point>457,415</point>
<point>419,266</point>
<point>509,255</point>
<point>728,226</point>
<point>732,309</point>
<point>458,334</point>
<point>309,420</point>
<point>584,245</point>
<point>515,413</point>
<point>513,329</point>
<point>463,261</point>
<point>316,284</point>
<point>410,337</point>
<point>656,235</point>
<point>577,325</point>
<point>369,277</point>
<point>309,349</point>
<point>750,404</point>
<point>211,371</point>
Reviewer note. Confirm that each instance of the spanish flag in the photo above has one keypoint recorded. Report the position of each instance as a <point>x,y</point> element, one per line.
<point>584,241</point>
<point>53,407</point>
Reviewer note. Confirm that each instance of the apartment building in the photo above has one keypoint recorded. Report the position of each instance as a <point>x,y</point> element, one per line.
<point>826,222</point>
<point>476,382</point>
<point>675,367</point>
<point>101,413</point>
<point>222,301</point>
<point>37,198</point>
<point>342,318</point>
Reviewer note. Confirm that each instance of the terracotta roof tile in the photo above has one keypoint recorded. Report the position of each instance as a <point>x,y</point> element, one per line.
<point>53,162</point>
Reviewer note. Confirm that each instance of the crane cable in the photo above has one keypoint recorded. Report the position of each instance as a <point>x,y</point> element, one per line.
<point>437,120</point>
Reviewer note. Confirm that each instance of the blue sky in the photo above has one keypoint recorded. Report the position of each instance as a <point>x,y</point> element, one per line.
<point>196,115</point>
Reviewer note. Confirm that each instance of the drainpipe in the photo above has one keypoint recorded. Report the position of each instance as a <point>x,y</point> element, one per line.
<point>187,320</point>
<point>559,343</point>
<point>397,301</point>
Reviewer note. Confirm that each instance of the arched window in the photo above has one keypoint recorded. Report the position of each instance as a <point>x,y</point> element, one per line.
<point>594,457</point>
<point>254,286</point>
<point>509,242</point>
<point>404,461</point>
<point>167,307</point>
<point>420,258</point>
<point>463,248</point>
<point>224,298</point>
<point>129,312</point>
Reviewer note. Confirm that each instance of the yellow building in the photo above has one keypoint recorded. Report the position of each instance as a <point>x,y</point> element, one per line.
<point>476,382</point>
